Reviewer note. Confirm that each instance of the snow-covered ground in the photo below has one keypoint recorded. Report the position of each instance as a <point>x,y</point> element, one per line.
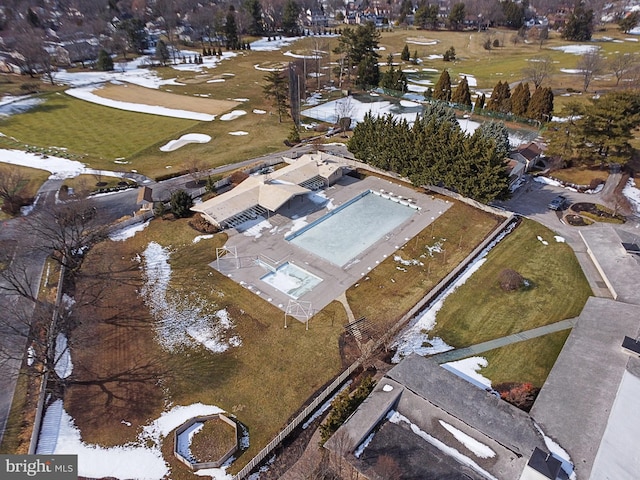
<point>269,44</point>
<point>184,140</point>
<point>577,49</point>
<point>415,338</point>
<point>232,115</point>
<point>633,194</point>
<point>356,109</point>
<point>141,459</point>
<point>468,369</point>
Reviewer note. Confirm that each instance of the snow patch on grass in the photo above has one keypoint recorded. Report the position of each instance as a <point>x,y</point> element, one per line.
<point>232,115</point>
<point>181,322</point>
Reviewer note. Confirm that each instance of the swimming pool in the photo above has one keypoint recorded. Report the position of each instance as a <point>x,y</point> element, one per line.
<point>291,279</point>
<point>344,233</point>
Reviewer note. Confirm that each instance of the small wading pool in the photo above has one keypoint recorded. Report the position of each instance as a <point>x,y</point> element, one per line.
<point>349,230</point>
<point>290,279</point>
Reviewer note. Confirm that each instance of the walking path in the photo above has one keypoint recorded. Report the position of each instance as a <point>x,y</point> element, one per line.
<point>461,353</point>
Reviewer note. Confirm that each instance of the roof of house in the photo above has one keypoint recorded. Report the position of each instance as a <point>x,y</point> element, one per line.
<point>587,403</point>
<point>530,151</point>
<point>272,190</point>
<point>451,414</point>
<point>145,195</point>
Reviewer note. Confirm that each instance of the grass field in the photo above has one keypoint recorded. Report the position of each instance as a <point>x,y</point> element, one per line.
<point>80,126</point>
<point>263,382</point>
<point>480,310</point>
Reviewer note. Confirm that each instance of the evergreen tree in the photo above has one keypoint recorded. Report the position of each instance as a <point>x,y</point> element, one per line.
<point>405,55</point>
<point>290,15</point>
<point>277,90</point>
<point>480,99</point>
<point>500,100</point>
<point>461,95</point>
<point>436,151</point>
<point>520,100</point>
<point>368,72</point>
<point>104,62</point>
<point>579,26</point>
<point>442,88</point>
<point>513,14</point>
<point>354,45</point>
<point>497,131</point>
<point>414,59</point>
<point>394,79</point>
<point>541,104</point>
<point>608,124</point>
<point>162,52</point>
<point>449,55</point>
<point>181,203</point>
<point>457,16</point>
<point>294,135</point>
<point>426,16</point>
<point>254,10</point>
<point>231,29</point>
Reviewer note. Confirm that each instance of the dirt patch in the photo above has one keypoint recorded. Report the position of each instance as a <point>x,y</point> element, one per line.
<point>147,96</point>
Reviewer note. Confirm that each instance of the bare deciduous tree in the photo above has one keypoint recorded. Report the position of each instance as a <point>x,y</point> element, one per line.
<point>12,182</point>
<point>621,64</point>
<point>68,231</point>
<point>590,65</point>
<point>538,70</point>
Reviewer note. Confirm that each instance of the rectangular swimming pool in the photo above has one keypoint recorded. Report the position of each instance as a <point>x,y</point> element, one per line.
<point>291,279</point>
<point>344,233</point>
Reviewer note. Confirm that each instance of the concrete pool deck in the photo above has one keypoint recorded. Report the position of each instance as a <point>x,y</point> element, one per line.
<point>270,244</point>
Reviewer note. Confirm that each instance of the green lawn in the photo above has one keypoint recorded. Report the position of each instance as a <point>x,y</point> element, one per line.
<point>97,133</point>
<point>529,361</point>
<point>480,310</point>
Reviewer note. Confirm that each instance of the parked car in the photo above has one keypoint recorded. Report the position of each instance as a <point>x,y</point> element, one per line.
<point>558,203</point>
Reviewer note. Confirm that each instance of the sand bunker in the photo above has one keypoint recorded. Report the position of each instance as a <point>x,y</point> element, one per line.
<point>147,96</point>
<point>185,139</point>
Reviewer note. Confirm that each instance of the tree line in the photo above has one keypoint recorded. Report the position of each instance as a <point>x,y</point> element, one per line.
<point>434,150</point>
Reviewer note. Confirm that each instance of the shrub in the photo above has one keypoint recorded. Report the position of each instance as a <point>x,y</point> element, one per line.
<point>510,280</point>
<point>521,395</point>
<point>200,224</point>
<point>238,176</point>
<point>343,406</point>
<point>181,203</point>
<point>496,43</point>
